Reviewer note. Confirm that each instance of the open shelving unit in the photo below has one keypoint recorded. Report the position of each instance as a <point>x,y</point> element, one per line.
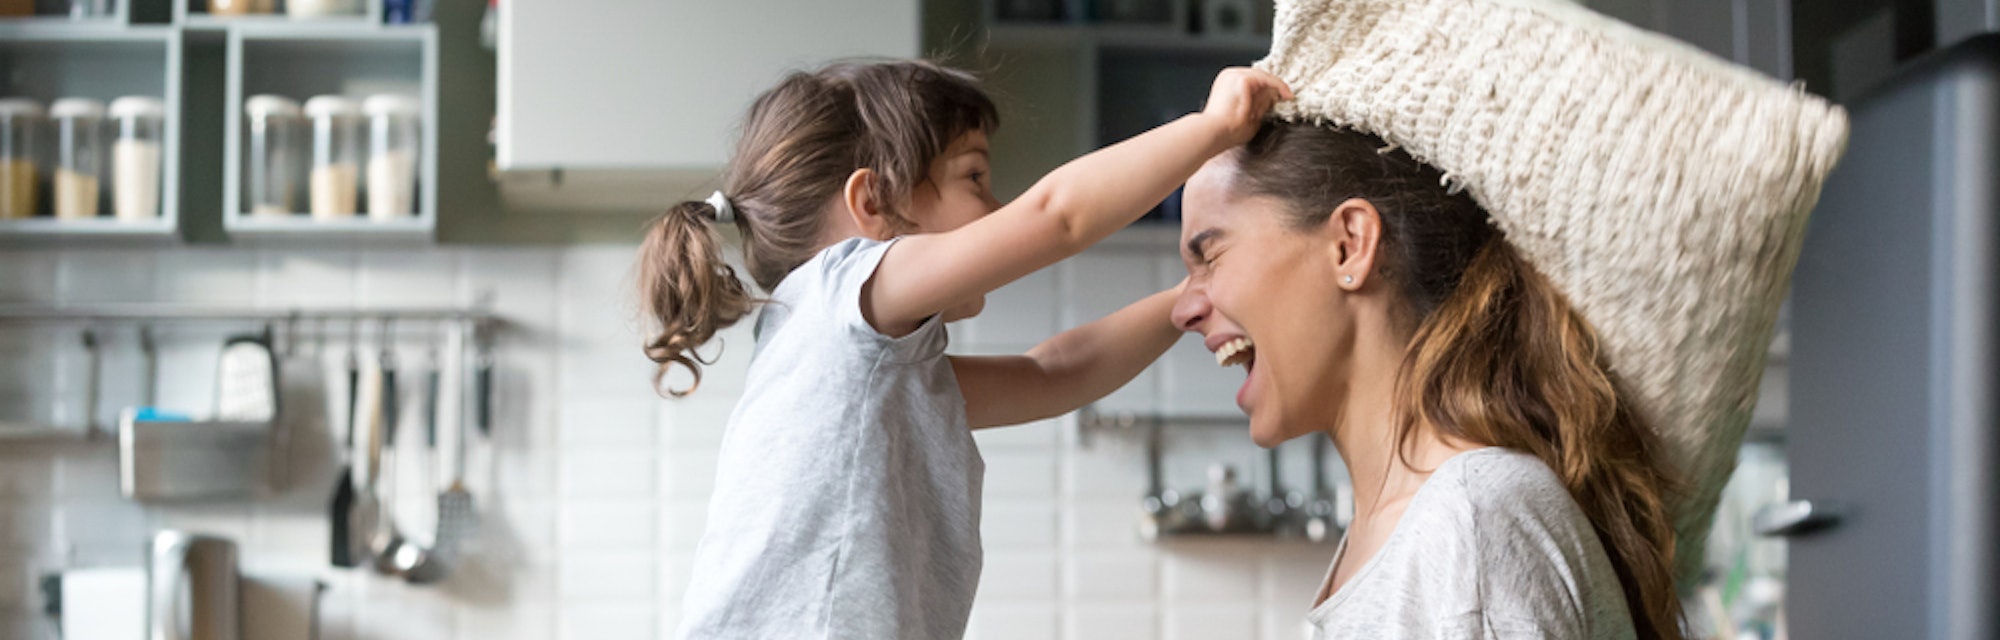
<point>203,67</point>
<point>50,59</point>
<point>307,59</point>
<point>192,14</point>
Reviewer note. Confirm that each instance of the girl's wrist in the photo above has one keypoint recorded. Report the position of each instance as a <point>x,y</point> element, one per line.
<point>1216,131</point>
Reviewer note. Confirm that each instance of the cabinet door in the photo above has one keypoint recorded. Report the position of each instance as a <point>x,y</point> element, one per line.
<point>662,84</point>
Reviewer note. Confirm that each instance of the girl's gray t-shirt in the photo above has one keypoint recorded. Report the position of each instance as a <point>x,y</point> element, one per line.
<point>848,484</point>
<point>1491,547</point>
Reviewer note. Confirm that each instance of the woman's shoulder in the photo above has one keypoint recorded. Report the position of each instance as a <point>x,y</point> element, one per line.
<point>1537,553</point>
<point>1498,477</point>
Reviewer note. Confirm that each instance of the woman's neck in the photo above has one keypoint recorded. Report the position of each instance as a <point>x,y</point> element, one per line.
<point>1365,435</point>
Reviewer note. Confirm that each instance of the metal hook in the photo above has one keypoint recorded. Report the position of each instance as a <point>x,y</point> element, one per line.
<point>94,368</point>
<point>388,339</point>
<point>149,351</point>
<point>292,335</point>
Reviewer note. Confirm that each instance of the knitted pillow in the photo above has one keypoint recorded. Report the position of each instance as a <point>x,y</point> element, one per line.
<point>1663,190</point>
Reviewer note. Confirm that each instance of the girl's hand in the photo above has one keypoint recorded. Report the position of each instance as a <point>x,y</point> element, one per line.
<point>1240,99</point>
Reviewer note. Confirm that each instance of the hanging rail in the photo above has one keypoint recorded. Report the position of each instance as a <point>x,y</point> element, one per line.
<point>481,318</point>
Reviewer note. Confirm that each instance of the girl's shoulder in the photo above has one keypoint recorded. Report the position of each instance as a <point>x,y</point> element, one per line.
<point>848,263</point>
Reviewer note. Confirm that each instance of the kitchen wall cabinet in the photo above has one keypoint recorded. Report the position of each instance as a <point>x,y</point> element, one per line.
<point>1755,33</point>
<point>605,97</point>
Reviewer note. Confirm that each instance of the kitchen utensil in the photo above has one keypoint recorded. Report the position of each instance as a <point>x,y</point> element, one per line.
<point>483,383</point>
<point>94,368</point>
<point>1224,506</point>
<point>247,380</point>
<point>457,519</point>
<point>342,503</point>
<point>195,574</point>
<point>365,516</point>
<point>386,540</point>
<point>149,357</point>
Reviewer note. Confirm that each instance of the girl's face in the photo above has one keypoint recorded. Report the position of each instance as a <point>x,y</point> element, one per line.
<point>1263,295</point>
<point>959,189</point>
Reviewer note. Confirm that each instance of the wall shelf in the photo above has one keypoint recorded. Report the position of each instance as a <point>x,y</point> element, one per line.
<point>47,59</point>
<point>302,59</point>
<point>185,14</point>
<point>203,65</point>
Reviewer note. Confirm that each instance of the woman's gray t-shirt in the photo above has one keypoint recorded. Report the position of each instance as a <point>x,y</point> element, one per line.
<point>1492,546</point>
<point>848,485</point>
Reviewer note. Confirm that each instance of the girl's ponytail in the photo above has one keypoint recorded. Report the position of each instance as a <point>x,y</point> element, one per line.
<point>687,289</point>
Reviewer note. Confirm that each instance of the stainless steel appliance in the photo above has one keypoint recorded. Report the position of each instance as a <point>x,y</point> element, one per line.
<point>1895,371</point>
<point>192,588</point>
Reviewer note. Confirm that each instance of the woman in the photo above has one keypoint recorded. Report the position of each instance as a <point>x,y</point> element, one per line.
<point>1521,262</point>
<point>1501,488</point>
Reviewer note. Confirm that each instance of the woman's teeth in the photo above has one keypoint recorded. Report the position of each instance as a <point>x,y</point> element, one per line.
<point>1235,352</point>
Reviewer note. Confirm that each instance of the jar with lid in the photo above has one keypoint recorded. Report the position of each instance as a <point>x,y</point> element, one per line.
<point>20,170</point>
<point>79,157</point>
<point>136,154</point>
<point>395,150</point>
<point>335,184</point>
<point>239,7</point>
<point>321,8</point>
<point>91,9</point>
<point>275,154</point>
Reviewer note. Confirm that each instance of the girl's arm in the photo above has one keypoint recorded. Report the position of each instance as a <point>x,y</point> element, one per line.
<point>1067,371</point>
<point>1070,209</point>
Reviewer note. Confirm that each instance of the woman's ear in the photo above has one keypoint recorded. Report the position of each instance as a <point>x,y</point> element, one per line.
<point>864,208</point>
<point>1355,227</point>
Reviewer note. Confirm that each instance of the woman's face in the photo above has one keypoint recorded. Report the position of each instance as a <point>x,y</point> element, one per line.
<point>1266,296</point>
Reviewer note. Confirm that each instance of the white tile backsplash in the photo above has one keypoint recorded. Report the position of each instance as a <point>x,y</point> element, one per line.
<point>594,490</point>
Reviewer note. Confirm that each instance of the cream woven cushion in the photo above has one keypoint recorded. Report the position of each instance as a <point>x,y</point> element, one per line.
<point>1665,191</point>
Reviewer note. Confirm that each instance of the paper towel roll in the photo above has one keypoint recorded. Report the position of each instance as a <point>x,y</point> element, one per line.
<point>104,604</point>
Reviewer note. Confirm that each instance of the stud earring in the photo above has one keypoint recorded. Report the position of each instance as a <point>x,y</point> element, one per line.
<point>1347,279</point>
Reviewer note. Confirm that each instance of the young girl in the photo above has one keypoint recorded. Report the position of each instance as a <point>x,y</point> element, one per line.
<point>847,490</point>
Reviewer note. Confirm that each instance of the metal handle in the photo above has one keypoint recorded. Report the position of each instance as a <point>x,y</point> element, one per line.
<point>1796,518</point>
<point>94,366</point>
<point>169,560</point>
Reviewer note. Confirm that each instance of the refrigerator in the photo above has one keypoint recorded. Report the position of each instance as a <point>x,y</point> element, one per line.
<point>1895,367</point>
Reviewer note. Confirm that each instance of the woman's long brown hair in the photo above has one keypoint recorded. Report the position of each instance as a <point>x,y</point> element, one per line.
<point>1498,356</point>
<point>800,142</point>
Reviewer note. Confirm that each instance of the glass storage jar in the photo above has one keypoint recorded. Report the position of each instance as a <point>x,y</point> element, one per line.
<point>395,151</point>
<point>80,157</point>
<point>21,122</point>
<point>274,155</point>
<point>335,184</point>
<point>137,151</point>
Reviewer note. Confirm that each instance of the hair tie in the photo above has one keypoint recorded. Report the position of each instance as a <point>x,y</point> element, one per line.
<point>724,212</point>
